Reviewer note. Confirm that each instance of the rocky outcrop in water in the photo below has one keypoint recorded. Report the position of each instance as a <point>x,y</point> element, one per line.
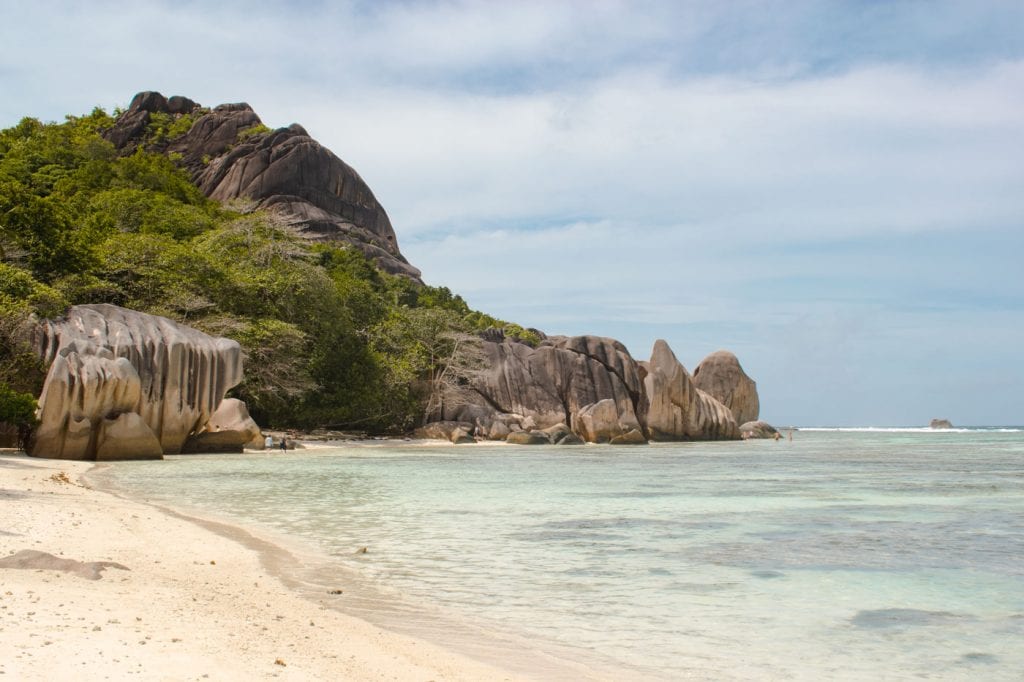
<point>284,170</point>
<point>676,408</point>
<point>758,429</point>
<point>123,384</point>
<point>940,424</point>
<point>592,387</point>
<point>721,376</point>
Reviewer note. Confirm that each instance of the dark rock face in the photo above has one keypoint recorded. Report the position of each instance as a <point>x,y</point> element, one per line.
<point>284,170</point>
<point>721,376</point>
<point>589,387</point>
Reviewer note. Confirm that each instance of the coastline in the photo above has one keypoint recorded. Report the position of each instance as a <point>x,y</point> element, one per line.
<point>189,603</point>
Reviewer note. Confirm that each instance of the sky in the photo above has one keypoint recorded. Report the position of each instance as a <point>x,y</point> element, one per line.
<point>834,191</point>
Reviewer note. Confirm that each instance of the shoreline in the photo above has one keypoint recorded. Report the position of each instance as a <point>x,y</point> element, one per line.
<point>195,599</point>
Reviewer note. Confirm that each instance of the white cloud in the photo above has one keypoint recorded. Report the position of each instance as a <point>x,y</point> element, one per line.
<point>638,170</point>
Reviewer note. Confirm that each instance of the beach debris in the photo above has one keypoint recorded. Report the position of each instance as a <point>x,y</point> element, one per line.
<point>280,662</point>
<point>34,559</point>
<point>362,550</point>
<point>61,477</point>
<point>212,562</point>
<point>334,592</point>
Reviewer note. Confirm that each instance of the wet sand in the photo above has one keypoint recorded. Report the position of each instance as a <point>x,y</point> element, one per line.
<point>94,587</point>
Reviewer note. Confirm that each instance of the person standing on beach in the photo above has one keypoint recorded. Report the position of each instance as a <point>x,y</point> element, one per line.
<point>284,444</point>
<point>269,442</point>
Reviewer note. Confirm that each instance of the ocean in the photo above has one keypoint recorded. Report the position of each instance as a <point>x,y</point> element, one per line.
<point>844,554</point>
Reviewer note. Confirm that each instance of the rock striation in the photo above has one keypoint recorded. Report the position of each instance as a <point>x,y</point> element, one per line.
<point>230,156</point>
<point>123,384</point>
<point>589,387</point>
<point>676,408</point>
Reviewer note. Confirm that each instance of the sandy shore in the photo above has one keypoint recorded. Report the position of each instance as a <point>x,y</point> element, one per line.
<point>95,587</point>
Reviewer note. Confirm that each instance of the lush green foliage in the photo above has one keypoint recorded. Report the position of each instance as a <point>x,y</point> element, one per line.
<point>17,408</point>
<point>329,339</point>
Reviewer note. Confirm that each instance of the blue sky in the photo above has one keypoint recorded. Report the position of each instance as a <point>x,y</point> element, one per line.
<point>832,190</point>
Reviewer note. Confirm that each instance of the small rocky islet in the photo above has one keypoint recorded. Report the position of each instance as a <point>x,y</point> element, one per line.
<point>126,384</point>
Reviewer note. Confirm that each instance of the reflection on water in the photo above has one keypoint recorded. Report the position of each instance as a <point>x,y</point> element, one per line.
<point>840,555</point>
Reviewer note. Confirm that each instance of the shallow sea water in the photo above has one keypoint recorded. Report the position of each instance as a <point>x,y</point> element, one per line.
<point>872,554</point>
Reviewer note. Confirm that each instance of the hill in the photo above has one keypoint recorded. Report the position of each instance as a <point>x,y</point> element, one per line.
<point>211,219</point>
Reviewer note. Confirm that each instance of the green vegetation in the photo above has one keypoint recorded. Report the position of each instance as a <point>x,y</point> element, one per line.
<point>258,129</point>
<point>329,339</point>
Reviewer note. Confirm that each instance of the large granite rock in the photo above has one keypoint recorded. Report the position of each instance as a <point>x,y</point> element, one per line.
<point>524,387</point>
<point>758,429</point>
<point>591,386</point>
<point>106,362</point>
<point>126,436</point>
<point>229,429</point>
<point>721,376</point>
<point>284,170</point>
<point>676,408</point>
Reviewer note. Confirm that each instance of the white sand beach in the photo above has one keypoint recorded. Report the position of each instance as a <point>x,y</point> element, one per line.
<point>95,587</point>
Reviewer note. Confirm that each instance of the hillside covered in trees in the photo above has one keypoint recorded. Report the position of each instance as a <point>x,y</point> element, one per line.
<point>330,339</point>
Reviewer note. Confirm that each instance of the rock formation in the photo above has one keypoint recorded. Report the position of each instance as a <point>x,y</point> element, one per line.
<point>590,387</point>
<point>229,429</point>
<point>721,376</point>
<point>758,429</point>
<point>284,170</point>
<point>676,408</point>
<point>564,390</point>
<point>941,424</point>
<point>123,384</point>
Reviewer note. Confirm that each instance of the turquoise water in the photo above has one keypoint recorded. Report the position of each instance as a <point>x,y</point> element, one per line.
<point>840,555</point>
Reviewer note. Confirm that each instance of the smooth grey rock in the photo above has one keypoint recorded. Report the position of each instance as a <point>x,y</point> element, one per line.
<point>599,422</point>
<point>461,437</point>
<point>758,429</point>
<point>442,430</point>
<point>678,410</point>
<point>127,436</point>
<point>550,384</point>
<point>557,432</point>
<point>564,378</point>
<point>499,430</point>
<point>105,360</point>
<point>528,438</point>
<point>632,437</point>
<point>721,376</point>
<point>230,429</point>
<point>571,439</point>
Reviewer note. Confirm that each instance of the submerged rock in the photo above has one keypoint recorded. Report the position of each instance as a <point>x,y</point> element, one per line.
<point>528,438</point>
<point>758,429</point>
<point>461,437</point>
<point>441,430</point>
